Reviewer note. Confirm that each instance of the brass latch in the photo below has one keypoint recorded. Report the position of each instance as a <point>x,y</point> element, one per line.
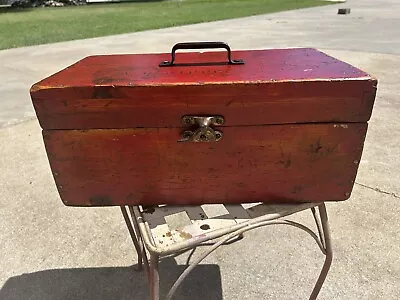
<point>202,131</point>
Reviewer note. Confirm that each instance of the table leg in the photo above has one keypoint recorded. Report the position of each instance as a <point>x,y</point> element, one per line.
<point>325,235</point>
<point>134,237</point>
<point>154,278</point>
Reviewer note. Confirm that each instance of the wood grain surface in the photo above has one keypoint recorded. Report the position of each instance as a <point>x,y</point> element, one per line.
<point>283,86</point>
<point>275,163</point>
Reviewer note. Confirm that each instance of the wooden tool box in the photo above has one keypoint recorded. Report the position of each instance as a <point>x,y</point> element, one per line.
<point>282,125</point>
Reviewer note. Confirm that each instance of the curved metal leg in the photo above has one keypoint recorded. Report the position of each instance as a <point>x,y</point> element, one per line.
<point>324,244</point>
<point>134,237</point>
<point>135,217</point>
<point>326,240</point>
<point>154,278</point>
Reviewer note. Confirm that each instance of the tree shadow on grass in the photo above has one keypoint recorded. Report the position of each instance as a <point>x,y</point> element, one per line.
<point>112,283</point>
<point>116,2</point>
<point>9,9</point>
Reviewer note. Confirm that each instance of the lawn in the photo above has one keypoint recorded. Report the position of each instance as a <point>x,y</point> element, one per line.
<point>25,27</point>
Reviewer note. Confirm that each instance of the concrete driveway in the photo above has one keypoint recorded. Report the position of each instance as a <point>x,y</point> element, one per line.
<point>49,251</point>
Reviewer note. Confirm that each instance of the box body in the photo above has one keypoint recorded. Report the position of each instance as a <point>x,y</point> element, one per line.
<point>294,124</point>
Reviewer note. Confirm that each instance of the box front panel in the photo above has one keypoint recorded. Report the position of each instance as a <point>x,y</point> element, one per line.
<point>274,163</point>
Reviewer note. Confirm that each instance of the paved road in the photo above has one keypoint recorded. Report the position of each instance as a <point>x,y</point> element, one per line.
<point>373,26</point>
<point>49,251</point>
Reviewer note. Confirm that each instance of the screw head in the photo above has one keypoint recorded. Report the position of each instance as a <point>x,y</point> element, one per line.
<point>187,134</point>
<point>203,137</point>
<point>219,120</point>
<point>218,135</point>
<point>187,120</point>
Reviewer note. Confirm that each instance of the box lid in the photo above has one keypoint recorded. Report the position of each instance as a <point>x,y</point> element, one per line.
<point>276,86</point>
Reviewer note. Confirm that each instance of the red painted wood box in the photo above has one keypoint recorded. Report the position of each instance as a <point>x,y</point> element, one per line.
<point>284,125</point>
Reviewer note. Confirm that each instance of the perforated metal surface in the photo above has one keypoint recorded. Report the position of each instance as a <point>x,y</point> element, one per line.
<point>169,225</point>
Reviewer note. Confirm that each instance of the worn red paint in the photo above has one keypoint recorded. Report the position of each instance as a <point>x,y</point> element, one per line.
<point>111,125</point>
<point>261,163</point>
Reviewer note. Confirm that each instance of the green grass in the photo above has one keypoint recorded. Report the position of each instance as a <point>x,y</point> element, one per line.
<point>25,27</point>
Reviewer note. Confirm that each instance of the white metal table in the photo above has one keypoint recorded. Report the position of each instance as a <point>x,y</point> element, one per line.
<point>160,231</point>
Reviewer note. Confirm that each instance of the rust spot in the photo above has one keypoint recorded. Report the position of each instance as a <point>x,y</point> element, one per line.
<point>185,235</point>
<point>168,234</point>
<point>205,227</point>
<point>100,201</point>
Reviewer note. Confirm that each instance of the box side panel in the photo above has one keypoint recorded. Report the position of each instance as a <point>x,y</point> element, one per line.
<point>278,163</point>
<point>241,104</point>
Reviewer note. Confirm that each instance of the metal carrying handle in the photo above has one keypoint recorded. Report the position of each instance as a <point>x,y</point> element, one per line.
<point>201,45</point>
